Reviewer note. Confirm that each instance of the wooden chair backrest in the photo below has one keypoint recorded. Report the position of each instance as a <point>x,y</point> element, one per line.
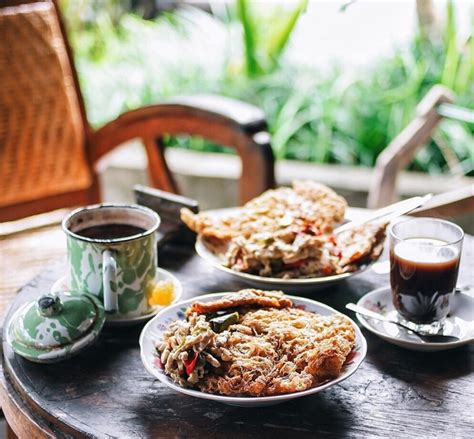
<point>400,152</point>
<point>42,121</point>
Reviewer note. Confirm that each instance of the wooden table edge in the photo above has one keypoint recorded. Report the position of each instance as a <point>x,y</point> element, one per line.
<point>23,414</point>
<point>18,414</point>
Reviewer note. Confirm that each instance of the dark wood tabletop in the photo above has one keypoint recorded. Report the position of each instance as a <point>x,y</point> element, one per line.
<point>106,392</point>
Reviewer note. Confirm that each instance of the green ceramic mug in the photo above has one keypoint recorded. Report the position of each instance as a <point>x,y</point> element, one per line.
<point>112,255</point>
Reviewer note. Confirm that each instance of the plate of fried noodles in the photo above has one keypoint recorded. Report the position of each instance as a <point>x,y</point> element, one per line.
<point>251,348</point>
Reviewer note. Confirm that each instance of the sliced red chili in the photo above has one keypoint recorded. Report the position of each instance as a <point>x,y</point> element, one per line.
<point>327,269</point>
<point>310,229</point>
<point>332,239</point>
<point>190,365</point>
<point>296,264</point>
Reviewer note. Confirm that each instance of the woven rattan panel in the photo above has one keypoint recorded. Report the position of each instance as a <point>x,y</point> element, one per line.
<point>41,134</point>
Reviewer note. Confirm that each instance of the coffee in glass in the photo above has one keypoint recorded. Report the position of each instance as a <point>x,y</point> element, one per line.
<point>424,264</point>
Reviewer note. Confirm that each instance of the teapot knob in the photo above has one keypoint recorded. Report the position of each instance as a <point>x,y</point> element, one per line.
<point>49,305</point>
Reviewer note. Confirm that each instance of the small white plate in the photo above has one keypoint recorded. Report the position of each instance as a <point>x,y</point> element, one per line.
<point>154,329</point>
<point>314,283</point>
<point>460,322</point>
<point>62,284</point>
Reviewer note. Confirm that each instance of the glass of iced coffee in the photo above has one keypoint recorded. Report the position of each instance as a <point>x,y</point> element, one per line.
<point>424,264</point>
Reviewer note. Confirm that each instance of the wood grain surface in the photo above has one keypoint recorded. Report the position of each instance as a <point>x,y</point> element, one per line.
<point>23,256</point>
<point>106,392</point>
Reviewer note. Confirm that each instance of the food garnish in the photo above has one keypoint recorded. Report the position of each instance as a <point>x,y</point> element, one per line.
<point>221,323</point>
<point>161,294</point>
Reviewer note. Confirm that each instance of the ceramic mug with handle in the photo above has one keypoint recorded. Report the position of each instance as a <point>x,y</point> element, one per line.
<point>112,255</point>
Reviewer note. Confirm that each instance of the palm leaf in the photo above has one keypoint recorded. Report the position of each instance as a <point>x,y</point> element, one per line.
<point>250,37</point>
<point>281,34</point>
<point>465,75</point>
<point>451,62</point>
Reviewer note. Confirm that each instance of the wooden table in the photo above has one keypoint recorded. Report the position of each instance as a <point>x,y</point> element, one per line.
<point>105,391</point>
<point>26,247</point>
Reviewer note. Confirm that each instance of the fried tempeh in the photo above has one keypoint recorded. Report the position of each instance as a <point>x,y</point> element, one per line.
<point>244,298</point>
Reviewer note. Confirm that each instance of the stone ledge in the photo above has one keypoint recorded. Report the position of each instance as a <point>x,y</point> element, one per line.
<point>132,157</point>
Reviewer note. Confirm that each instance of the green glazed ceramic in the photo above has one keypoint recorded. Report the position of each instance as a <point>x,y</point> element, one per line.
<point>120,271</point>
<point>55,327</point>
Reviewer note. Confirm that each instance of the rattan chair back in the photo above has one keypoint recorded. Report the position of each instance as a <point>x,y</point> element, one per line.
<point>48,152</point>
<point>42,135</point>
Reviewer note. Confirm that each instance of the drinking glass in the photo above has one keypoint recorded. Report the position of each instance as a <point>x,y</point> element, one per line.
<point>424,263</point>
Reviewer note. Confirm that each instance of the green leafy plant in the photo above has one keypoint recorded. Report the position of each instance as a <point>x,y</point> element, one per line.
<point>458,69</point>
<point>265,36</point>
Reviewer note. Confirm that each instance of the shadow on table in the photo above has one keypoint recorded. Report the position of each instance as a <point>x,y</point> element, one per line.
<point>430,376</point>
<point>404,363</point>
<point>324,413</point>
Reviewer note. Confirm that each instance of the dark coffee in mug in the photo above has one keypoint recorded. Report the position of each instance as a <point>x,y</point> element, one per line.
<point>110,231</point>
<point>423,276</point>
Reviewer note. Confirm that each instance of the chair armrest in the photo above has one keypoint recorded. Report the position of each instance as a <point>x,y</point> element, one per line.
<point>222,120</point>
<point>399,153</point>
<point>248,117</point>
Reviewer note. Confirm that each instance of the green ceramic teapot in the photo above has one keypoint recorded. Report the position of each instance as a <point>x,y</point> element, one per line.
<point>55,326</point>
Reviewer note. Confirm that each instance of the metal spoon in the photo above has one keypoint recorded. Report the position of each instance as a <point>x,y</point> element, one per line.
<point>427,338</point>
<point>388,213</point>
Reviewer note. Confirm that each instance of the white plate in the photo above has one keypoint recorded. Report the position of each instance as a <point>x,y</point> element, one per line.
<point>62,284</point>
<point>314,283</point>
<point>460,322</point>
<point>154,329</point>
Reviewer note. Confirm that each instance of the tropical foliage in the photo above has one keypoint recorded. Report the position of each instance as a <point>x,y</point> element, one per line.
<point>337,117</point>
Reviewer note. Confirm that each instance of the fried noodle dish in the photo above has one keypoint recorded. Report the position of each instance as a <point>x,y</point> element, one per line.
<point>287,233</point>
<point>254,343</point>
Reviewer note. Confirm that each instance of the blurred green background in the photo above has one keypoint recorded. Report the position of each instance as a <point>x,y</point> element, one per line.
<point>130,53</point>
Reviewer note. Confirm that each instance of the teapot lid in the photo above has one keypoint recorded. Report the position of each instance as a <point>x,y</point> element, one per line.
<point>55,326</point>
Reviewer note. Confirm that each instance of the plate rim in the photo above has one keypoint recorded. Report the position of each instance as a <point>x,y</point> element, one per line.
<point>205,254</point>
<point>250,399</point>
<point>400,342</point>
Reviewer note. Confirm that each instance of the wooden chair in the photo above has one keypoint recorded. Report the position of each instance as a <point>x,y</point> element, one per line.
<point>399,153</point>
<point>49,152</point>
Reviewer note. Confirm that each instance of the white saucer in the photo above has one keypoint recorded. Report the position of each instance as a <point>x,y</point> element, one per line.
<point>62,284</point>
<point>460,322</point>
